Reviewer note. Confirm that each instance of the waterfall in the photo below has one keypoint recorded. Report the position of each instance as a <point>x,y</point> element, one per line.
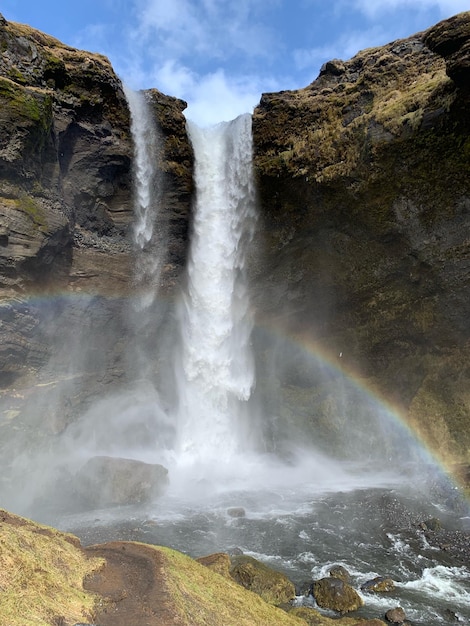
<point>148,233</point>
<point>216,370</point>
<point>147,312</point>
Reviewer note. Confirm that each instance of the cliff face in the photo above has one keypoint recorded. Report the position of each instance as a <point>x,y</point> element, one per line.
<point>365,192</point>
<point>66,189</point>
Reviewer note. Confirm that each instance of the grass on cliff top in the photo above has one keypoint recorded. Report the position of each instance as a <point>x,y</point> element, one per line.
<point>61,49</point>
<point>41,574</point>
<point>323,129</point>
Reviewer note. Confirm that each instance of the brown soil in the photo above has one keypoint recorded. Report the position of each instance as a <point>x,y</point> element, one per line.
<point>132,586</point>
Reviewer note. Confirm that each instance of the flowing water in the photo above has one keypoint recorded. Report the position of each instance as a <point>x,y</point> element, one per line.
<point>147,194</point>
<point>216,371</point>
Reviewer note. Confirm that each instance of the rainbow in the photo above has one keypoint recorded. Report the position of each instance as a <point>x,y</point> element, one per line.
<point>337,365</point>
<point>334,363</point>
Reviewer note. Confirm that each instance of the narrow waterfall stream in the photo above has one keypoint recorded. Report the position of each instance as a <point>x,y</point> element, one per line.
<point>147,191</point>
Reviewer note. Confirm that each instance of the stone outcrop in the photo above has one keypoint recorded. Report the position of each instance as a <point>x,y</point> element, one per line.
<point>365,196</point>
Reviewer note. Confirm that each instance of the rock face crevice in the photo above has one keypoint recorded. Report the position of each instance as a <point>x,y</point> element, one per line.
<point>365,194</point>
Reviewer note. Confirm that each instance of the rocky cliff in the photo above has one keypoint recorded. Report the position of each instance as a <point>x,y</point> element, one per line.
<point>365,195</point>
<point>66,191</point>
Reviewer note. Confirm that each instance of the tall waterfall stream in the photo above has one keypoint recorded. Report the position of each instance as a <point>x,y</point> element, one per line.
<point>300,509</point>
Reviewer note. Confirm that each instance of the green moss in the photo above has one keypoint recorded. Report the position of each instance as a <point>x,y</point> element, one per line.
<point>16,75</point>
<point>35,212</point>
<point>28,109</point>
<point>29,105</point>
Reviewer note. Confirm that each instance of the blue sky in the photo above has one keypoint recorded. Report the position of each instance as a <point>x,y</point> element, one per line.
<point>220,55</point>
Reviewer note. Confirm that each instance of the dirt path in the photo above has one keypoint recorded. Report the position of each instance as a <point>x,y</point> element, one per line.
<point>132,586</point>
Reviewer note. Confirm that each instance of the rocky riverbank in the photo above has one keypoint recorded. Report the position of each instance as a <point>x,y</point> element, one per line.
<point>124,582</point>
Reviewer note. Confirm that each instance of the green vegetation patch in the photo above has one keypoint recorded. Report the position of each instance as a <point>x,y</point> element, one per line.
<point>33,209</point>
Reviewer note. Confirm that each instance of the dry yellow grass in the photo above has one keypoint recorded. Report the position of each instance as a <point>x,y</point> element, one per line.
<point>41,575</point>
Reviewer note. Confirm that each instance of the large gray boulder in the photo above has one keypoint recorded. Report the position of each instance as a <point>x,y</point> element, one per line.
<point>110,481</point>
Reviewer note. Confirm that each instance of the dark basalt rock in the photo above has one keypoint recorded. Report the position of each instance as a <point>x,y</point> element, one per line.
<point>364,186</point>
<point>66,182</point>
<point>451,39</point>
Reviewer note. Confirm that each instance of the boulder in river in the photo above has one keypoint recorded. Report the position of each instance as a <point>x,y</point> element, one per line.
<point>335,594</point>
<point>379,584</point>
<point>396,615</point>
<point>110,481</point>
<point>272,586</point>
<point>338,571</point>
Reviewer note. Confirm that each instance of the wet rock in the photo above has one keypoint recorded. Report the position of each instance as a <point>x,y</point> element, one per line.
<point>340,572</point>
<point>396,615</point>
<point>378,585</point>
<point>274,587</point>
<point>236,511</point>
<point>109,481</point>
<point>433,524</point>
<point>336,595</point>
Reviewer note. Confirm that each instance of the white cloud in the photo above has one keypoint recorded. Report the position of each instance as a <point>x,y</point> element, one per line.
<point>200,51</point>
<point>218,29</point>
<point>211,97</point>
<point>343,48</point>
<point>374,8</point>
<point>216,97</point>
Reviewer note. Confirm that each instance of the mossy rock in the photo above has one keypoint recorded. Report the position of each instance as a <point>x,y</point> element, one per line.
<point>340,572</point>
<point>380,584</point>
<point>274,587</point>
<point>336,595</point>
<point>218,562</point>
